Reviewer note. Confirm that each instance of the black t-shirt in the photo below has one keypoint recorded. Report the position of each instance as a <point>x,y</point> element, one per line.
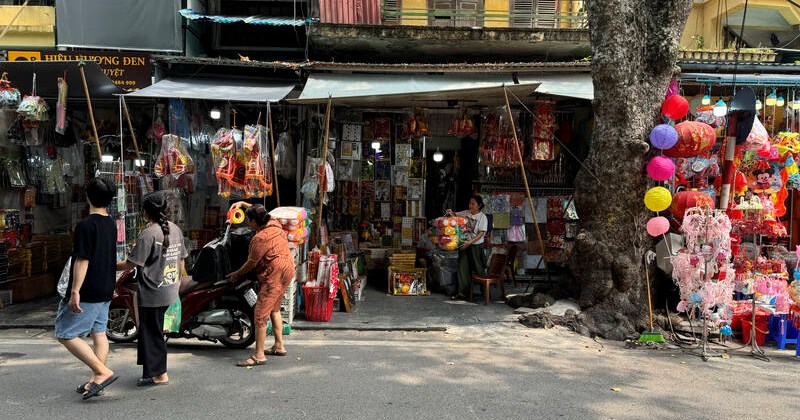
<point>96,241</point>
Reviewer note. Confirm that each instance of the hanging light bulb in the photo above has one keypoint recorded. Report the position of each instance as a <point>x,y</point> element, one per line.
<point>780,101</point>
<point>772,99</point>
<point>437,155</point>
<point>720,108</point>
<point>376,144</point>
<point>215,113</point>
<point>795,105</point>
<point>706,100</point>
<point>759,105</point>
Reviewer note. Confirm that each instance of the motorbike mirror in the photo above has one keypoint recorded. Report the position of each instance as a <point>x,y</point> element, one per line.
<point>742,114</point>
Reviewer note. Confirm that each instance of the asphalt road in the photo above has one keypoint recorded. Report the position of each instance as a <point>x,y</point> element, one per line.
<point>491,371</point>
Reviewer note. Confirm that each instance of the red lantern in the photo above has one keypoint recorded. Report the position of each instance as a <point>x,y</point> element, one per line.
<point>675,107</point>
<point>688,199</point>
<point>694,138</point>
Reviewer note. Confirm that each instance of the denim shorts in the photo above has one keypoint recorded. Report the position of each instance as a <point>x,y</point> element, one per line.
<point>93,319</point>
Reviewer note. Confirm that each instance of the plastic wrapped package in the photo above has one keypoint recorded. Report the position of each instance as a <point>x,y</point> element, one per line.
<point>15,176</point>
<point>229,168</point>
<point>61,106</point>
<point>285,156</point>
<point>173,159</point>
<point>258,171</point>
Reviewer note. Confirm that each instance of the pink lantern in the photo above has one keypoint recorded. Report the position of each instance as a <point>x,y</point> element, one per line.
<point>675,107</point>
<point>660,168</point>
<point>657,226</point>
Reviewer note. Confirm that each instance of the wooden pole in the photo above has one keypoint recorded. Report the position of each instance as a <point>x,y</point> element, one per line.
<point>524,176</point>
<point>91,112</point>
<point>274,160</point>
<point>323,173</point>
<point>130,127</point>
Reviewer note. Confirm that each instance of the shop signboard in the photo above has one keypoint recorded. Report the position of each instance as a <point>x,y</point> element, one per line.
<point>128,70</point>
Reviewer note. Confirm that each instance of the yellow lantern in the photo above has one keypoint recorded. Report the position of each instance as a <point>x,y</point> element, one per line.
<point>657,199</point>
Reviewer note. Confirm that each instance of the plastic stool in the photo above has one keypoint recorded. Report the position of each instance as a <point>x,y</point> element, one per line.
<point>782,332</point>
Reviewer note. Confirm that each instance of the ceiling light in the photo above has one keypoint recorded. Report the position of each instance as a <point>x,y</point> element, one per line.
<point>106,158</point>
<point>720,109</point>
<point>215,113</point>
<point>437,155</point>
<point>771,99</point>
<point>780,101</point>
<point>376,145</point>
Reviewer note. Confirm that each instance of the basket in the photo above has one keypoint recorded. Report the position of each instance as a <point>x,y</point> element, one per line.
<point>319,306</point>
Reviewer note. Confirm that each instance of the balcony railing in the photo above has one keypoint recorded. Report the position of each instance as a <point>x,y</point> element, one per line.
<point>545,14</point>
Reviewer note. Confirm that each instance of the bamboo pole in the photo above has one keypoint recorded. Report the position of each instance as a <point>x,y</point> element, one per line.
<point>91,112</point>
<point>274,160</point>
<point>323,173</point>
<point>130,127</point>
<point>524,176</point>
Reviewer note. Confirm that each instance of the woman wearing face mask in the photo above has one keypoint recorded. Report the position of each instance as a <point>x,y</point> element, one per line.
<point>470,253</point>
<point>159,255</point>
<point>272,262</point>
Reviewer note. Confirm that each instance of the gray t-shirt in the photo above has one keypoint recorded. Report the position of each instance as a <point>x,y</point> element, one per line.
<point>160,279</point>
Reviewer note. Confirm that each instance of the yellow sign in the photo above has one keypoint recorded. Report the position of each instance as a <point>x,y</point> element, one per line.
<point>24,55</point>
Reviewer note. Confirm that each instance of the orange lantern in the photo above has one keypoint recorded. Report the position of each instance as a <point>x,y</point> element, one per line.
<point>694,138</point>
<point>687,199</point>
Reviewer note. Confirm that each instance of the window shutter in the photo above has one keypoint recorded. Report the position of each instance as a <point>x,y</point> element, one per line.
<point>522,13</point>
<point>392,6</point>
<point>545,14</point>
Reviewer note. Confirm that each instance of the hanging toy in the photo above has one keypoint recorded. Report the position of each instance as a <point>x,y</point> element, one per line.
<point>61,105</point>
<point>258,177</point>
<point>33,109</point>
<point>9,95</point>
<point>173,158</point>
<point>224,153</point>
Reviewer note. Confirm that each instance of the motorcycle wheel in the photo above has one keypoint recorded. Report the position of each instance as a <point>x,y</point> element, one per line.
<point>121,327</point>
<point>243,332</point>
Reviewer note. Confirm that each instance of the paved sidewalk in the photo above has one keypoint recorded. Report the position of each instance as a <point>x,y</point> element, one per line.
<point>377,312</point>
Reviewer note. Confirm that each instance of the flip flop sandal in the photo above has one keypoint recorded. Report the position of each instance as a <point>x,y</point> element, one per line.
<point>150,382</point>
<point>81,389</point>
<point>273,352</point>
<point>95,388</point>
<point>256,362</point>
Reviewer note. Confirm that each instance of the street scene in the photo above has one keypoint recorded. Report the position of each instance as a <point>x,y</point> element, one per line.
<point>367,209</point>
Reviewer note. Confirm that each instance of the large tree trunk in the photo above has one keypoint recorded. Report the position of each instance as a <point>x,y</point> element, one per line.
<point>634,50</point>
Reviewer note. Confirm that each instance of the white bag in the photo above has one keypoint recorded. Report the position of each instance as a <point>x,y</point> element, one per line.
<point>63,281</point>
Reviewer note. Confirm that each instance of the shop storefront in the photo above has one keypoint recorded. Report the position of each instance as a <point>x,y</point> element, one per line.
<point>405,147</point>
<point>45,132</point>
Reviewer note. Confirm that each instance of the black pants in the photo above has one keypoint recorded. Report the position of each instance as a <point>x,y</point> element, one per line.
<point>151,348</point>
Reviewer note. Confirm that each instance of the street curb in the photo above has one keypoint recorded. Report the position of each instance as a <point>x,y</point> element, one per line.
<point>29,326</point>
<point>351,328</point>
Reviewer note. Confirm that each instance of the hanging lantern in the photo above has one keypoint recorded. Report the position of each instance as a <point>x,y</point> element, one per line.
<point>759,105</point>
<point>780,101</point>
<point>772,99</point>
<point>720,108</point>
<point>706,100</point>
<point>657,199</point>
<point>663,136</point>
<point>687,199</point>
<point>675,107</point>
<point>657,226</point>
<point>660,168</point>
<point>694,138</point>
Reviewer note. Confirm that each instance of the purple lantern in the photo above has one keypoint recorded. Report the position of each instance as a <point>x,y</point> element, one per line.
<point>663,136</point>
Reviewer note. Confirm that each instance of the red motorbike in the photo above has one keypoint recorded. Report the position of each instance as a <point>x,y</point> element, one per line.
<point>212,308</point>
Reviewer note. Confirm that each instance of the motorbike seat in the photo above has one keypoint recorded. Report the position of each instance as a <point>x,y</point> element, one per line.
<point>189,285</point>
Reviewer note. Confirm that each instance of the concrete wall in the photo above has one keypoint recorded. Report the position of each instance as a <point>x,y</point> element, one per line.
<point>35,26</point>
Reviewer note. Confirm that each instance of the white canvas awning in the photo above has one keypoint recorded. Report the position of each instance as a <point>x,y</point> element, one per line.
<point>408,89</point>
<point>215,90</point>
<point>575,85</point>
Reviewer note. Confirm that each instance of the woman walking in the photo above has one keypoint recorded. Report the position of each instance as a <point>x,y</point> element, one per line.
<point>158,254</point>
<point>272,262</point>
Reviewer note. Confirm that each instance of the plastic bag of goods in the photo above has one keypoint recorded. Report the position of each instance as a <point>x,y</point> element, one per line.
<point>294,221</point>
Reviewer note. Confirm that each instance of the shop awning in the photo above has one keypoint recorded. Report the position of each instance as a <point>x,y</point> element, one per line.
<point>408,89</point>
<point>251,20</point>
<point>215,90</point>
<point>578,85</point>
<point>743,79</point>
<point>47,73</point>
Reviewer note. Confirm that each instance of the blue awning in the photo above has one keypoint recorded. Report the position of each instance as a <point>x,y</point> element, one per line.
<point>252,20</point>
